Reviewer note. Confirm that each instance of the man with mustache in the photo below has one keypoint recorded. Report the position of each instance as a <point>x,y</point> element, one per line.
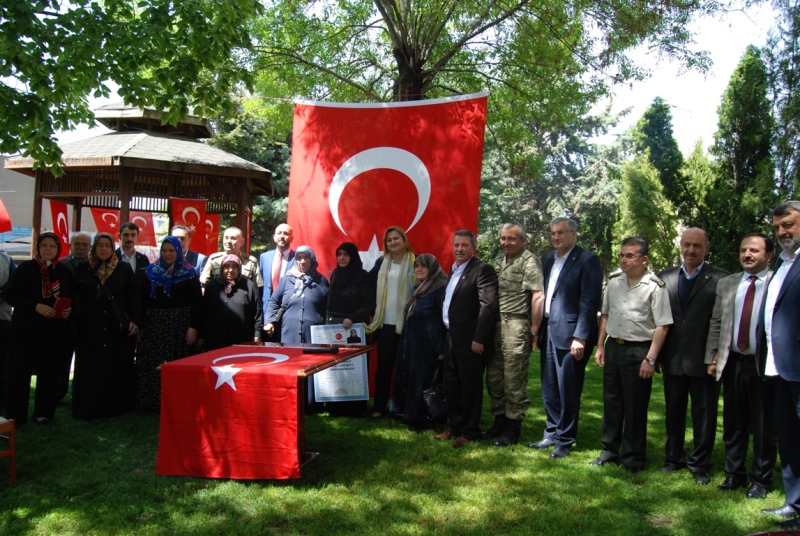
<point>748,401</point>
<point>779,354</point>
<point>126,252</point>
<point>692,290</point>
<point>232,242</point>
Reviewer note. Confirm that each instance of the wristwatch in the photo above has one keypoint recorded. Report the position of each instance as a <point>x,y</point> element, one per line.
<point>651,362</point>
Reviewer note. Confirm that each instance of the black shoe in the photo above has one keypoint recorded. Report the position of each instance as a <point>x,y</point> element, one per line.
<point>543,444</point>
<point>702,478</point>
<point>559,452</point>
<point>784,511</point>
<point>510,435</point>
<point>757,491</point>
<point>731,483</point>
<point>599,462</point>
<point>792,524</point>
<point>669,467</point>
<point>496,429</point>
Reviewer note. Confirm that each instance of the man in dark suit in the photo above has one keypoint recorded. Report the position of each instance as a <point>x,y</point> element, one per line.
<point>692,290</point>
<point>184,234</point>
<point>469,312</point>
<point>779,354</point>
<point>748,400</point>
<point>272,269</point>
<point>126,252</point>
<point>573,282</point>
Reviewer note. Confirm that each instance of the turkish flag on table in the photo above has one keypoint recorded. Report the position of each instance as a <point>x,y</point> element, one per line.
<point>235,412</point>
<point>359,168</point>
<point>60,225</point>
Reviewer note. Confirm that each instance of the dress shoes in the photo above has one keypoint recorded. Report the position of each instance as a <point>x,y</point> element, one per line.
<point>783,511</point>
<point>702,478</point>
<point>445,436</point>
<point>792,524</point>
<point>599,462</point>
<point>757,491</point>
<point>543,444</point>
<point>559,452</point>
<point>731,483</point>
<point>460,442</point>
<point>669,467</point>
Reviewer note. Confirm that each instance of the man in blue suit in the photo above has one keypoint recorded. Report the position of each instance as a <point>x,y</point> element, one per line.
<point>779,354</point>
<point>272,269</point>
<point>573,282</point>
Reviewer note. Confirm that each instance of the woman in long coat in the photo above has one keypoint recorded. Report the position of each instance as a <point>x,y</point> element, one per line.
<point>232,311</point>
<point>351,297</point>
<point>422,342</point>
<point>38,328</point>
<point>103,382</point>
<point>172,316</point>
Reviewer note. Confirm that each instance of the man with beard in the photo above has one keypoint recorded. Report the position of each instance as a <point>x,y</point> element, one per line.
<point>779,354</point>
<point>276,262</point>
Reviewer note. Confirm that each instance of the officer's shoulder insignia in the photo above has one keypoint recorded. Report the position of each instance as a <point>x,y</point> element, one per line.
<point>657,280</point>
<point>615,274</point>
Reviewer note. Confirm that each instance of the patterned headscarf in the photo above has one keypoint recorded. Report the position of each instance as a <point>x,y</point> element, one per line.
<point>229,285</point>
<point>164,275</point>
<point>435,280</point>
<point>50,286</point>
<point>101,268</point>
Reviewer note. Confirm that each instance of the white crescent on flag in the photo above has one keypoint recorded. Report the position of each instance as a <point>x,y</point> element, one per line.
<point>399,160</point>
<point>225,373</point>
<point>144,221</point>
<point>190,210</point>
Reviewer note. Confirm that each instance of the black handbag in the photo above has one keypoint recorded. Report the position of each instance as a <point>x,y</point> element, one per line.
<point>435,400</point>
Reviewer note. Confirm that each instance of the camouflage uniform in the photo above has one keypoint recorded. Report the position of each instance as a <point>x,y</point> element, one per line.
<point>213,268</point>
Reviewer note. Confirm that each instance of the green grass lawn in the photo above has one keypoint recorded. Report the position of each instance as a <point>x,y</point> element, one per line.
<point>372,477</point>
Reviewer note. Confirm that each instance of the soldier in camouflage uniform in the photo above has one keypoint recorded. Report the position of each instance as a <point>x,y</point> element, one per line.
<point>520,298</point>
<point>232,241</point>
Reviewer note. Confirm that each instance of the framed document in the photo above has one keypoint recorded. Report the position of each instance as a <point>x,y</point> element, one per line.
<point>345,381</point>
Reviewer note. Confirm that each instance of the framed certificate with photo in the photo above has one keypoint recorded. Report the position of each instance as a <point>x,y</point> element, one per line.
<point>345,381</point>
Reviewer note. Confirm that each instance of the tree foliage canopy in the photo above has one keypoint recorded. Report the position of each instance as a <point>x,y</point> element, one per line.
<point>169,54</point>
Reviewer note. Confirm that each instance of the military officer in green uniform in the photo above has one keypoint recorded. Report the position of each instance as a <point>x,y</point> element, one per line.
<point>232,242</point>
<point>635,318</point>
<point>521,293</point>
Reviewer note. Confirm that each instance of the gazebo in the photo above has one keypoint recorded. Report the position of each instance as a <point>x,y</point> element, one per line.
<point>141,165</point>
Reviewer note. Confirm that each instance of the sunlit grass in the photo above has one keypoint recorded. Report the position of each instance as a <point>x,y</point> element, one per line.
<point>373,477</point>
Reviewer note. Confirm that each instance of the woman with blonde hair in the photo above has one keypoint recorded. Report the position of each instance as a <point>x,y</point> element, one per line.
<point>394,274</point>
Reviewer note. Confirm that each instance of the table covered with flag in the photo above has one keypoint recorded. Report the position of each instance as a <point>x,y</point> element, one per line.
<point>237,412</point>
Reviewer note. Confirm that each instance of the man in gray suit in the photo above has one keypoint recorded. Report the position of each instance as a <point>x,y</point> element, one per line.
<point>748,401</point>
<point>691,288</point>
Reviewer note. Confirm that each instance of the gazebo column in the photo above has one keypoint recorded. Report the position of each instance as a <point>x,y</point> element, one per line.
<point>243,203</point>
<point>77,208</point>
<point>37,209</point>
<point>125,194</point>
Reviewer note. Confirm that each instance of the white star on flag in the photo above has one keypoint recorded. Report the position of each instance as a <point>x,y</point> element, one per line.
<point>371,256</point>
<point>225,374</point>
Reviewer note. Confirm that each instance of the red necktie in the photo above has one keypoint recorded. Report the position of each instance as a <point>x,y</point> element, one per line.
<point>743,340</point>
<point>276,269</point>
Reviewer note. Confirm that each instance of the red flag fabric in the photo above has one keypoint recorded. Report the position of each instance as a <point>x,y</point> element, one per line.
<point>191,213</point>
<point>5,219</point>
<point>236,412</point>
<point>359,168</point>
<point>211,243</point>
<point>147,230</point>
<point>61,224</point>
<point>106,220</point>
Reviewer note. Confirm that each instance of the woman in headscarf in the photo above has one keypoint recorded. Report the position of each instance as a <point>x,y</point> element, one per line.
<point>422,341</point>
<point>39,291</point>
<point>299,301</point>
<point>231,308</point>
<point>394,274</point>
<point>172,315</point>
<point>104,380</point>
<point>350,299</point>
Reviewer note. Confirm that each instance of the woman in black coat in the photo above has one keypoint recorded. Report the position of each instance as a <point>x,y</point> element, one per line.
<point>232,311</point>
<point>104,381</point>
<point>38,329</point>
<point>421,343</point>
<point>351,297</point>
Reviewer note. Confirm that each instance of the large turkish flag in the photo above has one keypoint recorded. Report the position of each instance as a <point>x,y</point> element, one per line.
<point>360,168</point>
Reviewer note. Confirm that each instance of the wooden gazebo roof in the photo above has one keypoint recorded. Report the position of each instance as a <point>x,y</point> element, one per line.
<point>142,169</point>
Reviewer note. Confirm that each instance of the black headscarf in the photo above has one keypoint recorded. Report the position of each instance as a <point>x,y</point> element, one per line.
<point>342,276</point>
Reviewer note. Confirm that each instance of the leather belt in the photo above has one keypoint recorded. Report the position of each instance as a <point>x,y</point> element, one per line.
<point>737,355</point>
<point>623,342</point>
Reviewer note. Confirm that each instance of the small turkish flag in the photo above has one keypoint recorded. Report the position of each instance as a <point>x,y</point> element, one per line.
<point>5,219</point>
<point>211,237</point>
<point>360,168</point>
<point>60,225</point>
<point>189,212</point>
<point>106,220</point>
<point>147,231</point>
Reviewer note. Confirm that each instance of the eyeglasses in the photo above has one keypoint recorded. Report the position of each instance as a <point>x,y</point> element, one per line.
<point>629,256</point>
